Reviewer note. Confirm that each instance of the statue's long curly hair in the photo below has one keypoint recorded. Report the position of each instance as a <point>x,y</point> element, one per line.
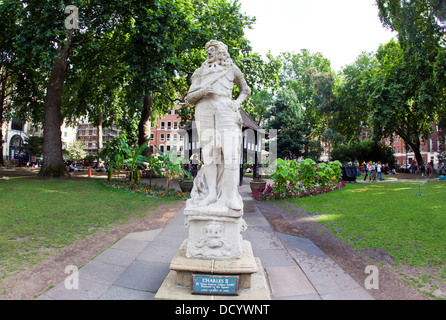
<point>221,51</point>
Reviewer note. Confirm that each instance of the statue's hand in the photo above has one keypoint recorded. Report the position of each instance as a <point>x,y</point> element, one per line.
<point>207,91</point>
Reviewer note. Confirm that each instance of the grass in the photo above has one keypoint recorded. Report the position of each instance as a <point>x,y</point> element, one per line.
<point>388,216</point>
<point>41,217</point>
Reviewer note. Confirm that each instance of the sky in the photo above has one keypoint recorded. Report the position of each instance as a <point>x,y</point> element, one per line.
<point>339,29</point>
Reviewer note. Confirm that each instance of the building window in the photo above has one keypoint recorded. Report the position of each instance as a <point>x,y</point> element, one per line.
<point>168,137</point>
<point>169,125</point>
<point>16,124</point>
<point>175,137</point>
<point>175,125</point>
<point>162,137</point>
<point>152,137</point>
<point>162,148</point>
<point>162,124</point>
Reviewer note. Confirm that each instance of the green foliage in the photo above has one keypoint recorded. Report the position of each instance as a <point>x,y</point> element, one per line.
<point>153,165</point>
<point>302,109</point>
<point>366,150</point>
<point>171,164</point>
<point>33,146</point>
<point>352,93</point>
<point>76,150</point>
<point>307,172</point>
<point>328,173</point>
<point>134,160</point>
<point>286,173</point>
<point>109,160</point>
<point>291,175</point>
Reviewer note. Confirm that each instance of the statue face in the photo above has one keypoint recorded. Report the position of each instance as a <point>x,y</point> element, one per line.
<point>211,54</point>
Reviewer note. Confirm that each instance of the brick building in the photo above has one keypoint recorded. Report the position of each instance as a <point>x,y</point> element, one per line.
<point>88,133</point>
<point>430,148</point>
<point>166,134</point>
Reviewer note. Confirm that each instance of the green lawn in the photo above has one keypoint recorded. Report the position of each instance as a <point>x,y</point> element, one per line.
<point>388,216</point>
<point>40,217</point>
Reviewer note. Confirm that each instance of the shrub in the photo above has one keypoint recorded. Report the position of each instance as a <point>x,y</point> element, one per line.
<point>294,180</point>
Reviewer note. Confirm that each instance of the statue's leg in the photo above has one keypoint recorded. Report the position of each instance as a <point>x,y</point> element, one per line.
<point>205,122</point>
<point>231,176</point>
<point>210,173</point>
<point>230,183</point>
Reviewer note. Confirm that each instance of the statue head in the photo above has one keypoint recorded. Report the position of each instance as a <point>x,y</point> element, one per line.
<point>217,52</point>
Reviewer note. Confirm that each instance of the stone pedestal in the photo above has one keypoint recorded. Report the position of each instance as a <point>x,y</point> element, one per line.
<point>252,281</point>
<point>214,232</point>
<point>214,248</point>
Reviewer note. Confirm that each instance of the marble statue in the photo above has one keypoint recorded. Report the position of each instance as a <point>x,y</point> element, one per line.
<point>218,121</point>
<point>214,212</point>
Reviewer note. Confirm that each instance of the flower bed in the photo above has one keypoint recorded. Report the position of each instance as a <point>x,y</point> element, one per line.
<point>294,192</point>
<point>294,179</point>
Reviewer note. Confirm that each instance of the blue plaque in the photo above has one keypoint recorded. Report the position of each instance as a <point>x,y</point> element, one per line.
<point>215,284</point>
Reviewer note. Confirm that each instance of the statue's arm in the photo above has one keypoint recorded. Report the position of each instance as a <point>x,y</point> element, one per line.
<point>196,91</point>
<point>240,82</point>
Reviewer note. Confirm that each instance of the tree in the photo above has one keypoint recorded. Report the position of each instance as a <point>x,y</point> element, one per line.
<point>293,132</point>
<point>161,65</point>
<point>33,146</point>
<point>310,76</point>
<point>95,83</point>
<point>261,102</point>
<point>303,108</point>
<point>352,92</point>
<point>409,90</point>
<point>43,44</point>
<point>365,150</point>
<point>76,150</point>
<point>399,105</point>
<point>19,80</point>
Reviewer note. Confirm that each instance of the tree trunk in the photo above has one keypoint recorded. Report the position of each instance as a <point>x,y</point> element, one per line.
<point>144,124</point>
<point>416,150</point>
<point>4,78</point>
<point>2,161</point>
<point>53,164</point>
<point>100,138</point>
